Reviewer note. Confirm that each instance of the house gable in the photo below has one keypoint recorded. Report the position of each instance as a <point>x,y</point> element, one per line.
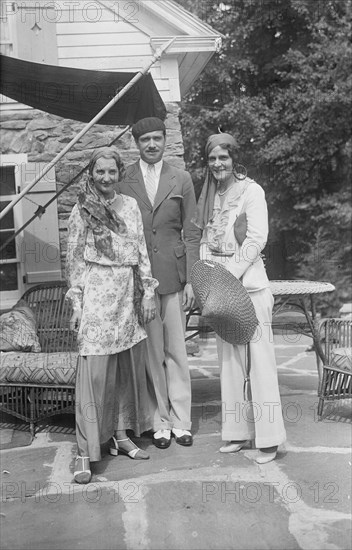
<point>113,35</point>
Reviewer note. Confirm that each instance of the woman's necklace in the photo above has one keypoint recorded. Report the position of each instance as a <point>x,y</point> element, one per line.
<point>110,201</point>
<point>229,186</point>
<point>115,203</point>
<point>226,190</point>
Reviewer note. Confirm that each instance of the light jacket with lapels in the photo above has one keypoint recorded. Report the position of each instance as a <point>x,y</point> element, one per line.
<point>172,239</point>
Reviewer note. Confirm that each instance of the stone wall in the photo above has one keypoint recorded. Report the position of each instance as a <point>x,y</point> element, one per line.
<point>42,136</point>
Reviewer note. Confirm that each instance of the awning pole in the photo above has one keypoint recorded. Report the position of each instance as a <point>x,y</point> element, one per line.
<point>84,130</point>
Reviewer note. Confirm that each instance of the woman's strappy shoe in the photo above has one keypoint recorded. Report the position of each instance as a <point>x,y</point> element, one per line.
<point>82,473</point>
<point>136,453</point>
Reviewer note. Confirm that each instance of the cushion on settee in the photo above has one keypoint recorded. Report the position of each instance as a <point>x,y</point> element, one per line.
<point>38,368</point>
<point>341,358</point>
<point>18,330</point>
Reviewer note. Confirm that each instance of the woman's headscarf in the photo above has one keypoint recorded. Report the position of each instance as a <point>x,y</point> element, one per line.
<point>206,200</point>
<point>95,211</point>
<point>109,153</point>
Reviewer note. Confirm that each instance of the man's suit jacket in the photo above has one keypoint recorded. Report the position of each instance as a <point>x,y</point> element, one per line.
<point>172,239</point>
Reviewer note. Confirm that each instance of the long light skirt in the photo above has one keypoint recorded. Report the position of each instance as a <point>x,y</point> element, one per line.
<point>110,395</point>
<point>260,419</point>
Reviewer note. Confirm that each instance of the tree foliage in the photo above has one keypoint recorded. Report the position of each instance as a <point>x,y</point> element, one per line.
<point>281,84</point>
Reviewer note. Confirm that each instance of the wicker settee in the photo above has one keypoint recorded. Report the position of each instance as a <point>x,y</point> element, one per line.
<point>34,386</point>
<point>336,375</point>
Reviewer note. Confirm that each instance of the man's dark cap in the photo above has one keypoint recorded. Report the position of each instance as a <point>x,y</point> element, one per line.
<point>146,125</point>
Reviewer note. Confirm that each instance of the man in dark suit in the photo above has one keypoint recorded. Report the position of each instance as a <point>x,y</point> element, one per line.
<point>165,196</point>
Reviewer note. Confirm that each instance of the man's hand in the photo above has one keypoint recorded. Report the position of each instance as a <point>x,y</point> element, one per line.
<point>75,320</point>
<point>148,309</point>
<point>188,297</point>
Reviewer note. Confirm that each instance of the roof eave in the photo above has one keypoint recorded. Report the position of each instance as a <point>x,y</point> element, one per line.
<point>179,17</point>
<point>187,44</point>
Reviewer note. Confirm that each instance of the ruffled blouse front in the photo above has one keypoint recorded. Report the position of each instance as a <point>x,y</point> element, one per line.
<point>219,242</point>
<point>216,232</point>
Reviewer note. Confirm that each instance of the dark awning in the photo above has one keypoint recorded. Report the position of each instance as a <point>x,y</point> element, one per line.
<point>79,94</point>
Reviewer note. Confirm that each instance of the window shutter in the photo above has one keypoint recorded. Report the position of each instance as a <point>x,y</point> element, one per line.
<point>40,243</point>
<point>36,31</point>
<point>6,38</point>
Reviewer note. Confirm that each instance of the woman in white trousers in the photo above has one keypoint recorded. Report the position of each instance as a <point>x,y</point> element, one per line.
<point>225,196</point>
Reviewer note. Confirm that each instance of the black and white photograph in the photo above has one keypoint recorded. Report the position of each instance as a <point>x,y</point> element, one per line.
<point>175,274</point>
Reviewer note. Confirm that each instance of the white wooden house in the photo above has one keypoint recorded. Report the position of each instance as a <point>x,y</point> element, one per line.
<point>104,35</point>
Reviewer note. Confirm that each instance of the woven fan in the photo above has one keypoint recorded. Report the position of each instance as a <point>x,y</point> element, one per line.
<point>225,304</point>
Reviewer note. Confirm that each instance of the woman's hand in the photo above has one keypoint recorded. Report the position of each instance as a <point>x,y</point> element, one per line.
<point>188,297</point>
<point>148,309</point>
<point>75,320</point>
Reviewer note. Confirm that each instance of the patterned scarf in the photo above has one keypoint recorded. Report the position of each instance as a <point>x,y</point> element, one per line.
<point>100,218</point>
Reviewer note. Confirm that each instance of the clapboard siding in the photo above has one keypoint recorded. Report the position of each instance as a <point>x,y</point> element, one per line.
<point>166,80</point>
<point>127,64</point>
<point>107,44</point>
<point>116,50</point>
<point>112,44</point>
<point>94,11</point>
<point>99,27</point>
<point>104,39</point>
<point>8,104</point>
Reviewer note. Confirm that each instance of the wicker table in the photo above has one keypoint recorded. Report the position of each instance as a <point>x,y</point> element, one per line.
<point>301,294</point>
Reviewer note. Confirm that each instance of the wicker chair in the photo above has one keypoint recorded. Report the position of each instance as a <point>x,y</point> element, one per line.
<point>36,401</point>
<point>336,379</point>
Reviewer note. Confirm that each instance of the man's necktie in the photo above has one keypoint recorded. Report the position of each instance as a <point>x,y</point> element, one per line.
<point>150,183</point>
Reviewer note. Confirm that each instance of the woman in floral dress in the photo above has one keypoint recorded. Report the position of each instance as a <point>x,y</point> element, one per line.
<point>112,292</point>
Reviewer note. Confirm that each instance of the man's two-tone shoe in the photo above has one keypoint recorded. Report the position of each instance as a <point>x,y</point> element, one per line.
<point>183,437</point>
<point>162,439</point>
